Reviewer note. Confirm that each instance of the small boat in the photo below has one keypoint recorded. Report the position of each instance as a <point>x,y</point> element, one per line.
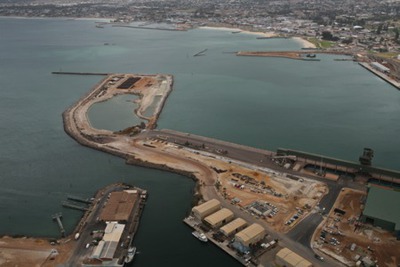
<point>200,236</point>
<point>130,255</point>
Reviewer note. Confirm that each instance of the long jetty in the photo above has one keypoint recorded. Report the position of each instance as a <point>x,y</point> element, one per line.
<point>381,75</point>
<point>70,205</point>
<point>149,28</point>
<point>80,73</point>
<point>201,53</point>
<point>79,199</point>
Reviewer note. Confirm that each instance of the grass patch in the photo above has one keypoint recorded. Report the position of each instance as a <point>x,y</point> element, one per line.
<point>321,43</point>
<point>388,54</point>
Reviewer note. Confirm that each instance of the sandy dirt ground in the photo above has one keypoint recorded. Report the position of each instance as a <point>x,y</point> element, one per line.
<point>304,43</point>
<point>283,54</point>
<point>286,194</point>
<point>371,242</point>
<point>152,90</point>
<point>32,252</point>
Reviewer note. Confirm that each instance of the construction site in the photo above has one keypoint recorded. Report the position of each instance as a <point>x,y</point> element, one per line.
<point>344,236</point>
<point>281,200</point>
<point>287,192</point>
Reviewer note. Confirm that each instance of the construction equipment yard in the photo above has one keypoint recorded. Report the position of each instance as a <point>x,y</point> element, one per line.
<point>343,237</point>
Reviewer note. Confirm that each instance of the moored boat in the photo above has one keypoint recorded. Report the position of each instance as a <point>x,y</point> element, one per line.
<point>130,255</point>
<point>200,236</point>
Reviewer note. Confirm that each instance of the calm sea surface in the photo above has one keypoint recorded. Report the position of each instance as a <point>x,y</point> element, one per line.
<point>327,107</point>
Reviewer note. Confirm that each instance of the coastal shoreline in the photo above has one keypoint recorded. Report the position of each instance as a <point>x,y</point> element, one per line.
<point>304,42</point>
<point>58,18</point>
<point>270,34</point>
<point>262,34</point>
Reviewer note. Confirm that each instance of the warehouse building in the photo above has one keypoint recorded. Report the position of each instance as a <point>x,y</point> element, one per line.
<point>381,209</point>
<point>105,250</point>
<point>233,227</point>
<point>286,257</point>
<point>219,218</point>
<point>380,67</point>
<point>249,236</point>
<point>119,206</point>
<point>205,209</point>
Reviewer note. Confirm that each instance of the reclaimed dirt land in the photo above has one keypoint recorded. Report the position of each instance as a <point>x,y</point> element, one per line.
<point>32,252</point>
<point>249,184</point>
<point>354,239</point>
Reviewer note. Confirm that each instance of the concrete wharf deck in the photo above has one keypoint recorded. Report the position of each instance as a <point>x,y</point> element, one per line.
<point>381,75</point>
<point>222,245</point>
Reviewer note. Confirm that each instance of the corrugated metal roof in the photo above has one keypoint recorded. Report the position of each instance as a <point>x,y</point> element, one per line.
<point>113,232</point>
<point>381,204</point>
<point>219,216</point>
<point>206,206</point>
<point>292,259</point>
<point>97,252</point>
<point>233,226</point>
<point>119,206</point>
<point>247,234</point>
<point>109,250</point>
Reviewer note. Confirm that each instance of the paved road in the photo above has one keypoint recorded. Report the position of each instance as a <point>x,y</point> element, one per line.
<point>81,251</point>
<point>298,239</point>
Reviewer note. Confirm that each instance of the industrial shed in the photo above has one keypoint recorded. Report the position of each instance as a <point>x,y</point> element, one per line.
<point>380,67</point>
<point>381,209</point>
<point>233,227</point>
<point>219,218</point>
<point>249,236</point>
<point>205,209</point>
<point>106,248</point>
<point>286,257</point>
<point>119,206</point>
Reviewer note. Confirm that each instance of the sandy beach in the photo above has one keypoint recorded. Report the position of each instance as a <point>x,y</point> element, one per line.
<point>304,42</point>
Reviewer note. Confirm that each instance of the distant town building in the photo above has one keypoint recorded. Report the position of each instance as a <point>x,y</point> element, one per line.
<point>203,210</point>
<point>381,209</point>
<point>286,257</point>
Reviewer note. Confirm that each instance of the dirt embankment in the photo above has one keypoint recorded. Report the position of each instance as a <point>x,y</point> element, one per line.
<point>28,252</point>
